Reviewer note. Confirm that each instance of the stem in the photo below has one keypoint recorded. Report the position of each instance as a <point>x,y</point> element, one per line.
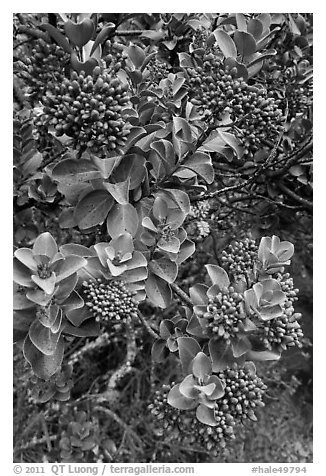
<point>125,368</point>
<point>306,203</point>
<point>120,422</point>
<point>182,295</point>
<point>150,330</point>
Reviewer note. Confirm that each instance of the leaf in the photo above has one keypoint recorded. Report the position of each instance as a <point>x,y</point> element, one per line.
<point>38,296</point>
<point>78,316</point>
<point>188,349</point>
<point>47,284</point>
<point>72,171</point>
<point>160,210</point>
<point>201,366</point>
<point>119,191</point>
<point>293,26</point>
<point>44,366</point>
<point>270,312</point>
<point>221,354</point>
<point>206,415</point>
<point>170,245</point>
<point>159,351</point>
<point>198,294</point>
<point>201,163</point>
<point>79,33</point>
<point>132,167</point>
<point>76,250</point>
<point>88,329</point>
<point>136,54</point>
<point>135,134</point>
<point>246,44</point>
<point>57,36</point>
<point>105,166</point>
<point>70,266</point>
<point>265,19</point>
<point>164,268</point>
<point>49,316</point>
<point>240,346</point>
<point>26,257</point>
<point>255,28</point>
<point>166,328</point>
<point>177,400</point>
<point>187,248</point>
<point>21,302</point>
<point>225,43</point>
<point>242,71</point>
<point>263,355</point>
<point>194,328</point>
<point>102,36</point>
<point>46,245</point>
<point>93,209</point>
<point>122,219</point>
<point>87,66</point>
<point>179,197</point>
<point>241,21</point>
<point>158,291</point>
<point>187,387</point>
<point>185,60</point>
<point>218,275</point>
<point>43,338</point>
<point>233,142</point>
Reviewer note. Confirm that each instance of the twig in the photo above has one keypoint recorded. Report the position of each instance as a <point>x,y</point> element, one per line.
<point>150,330</point>
<point>182,295</point>
<point>128,32</point>
<point>36,441</point>
<point>126,365</point>
<point>306,203</point>
<point>120,422</point>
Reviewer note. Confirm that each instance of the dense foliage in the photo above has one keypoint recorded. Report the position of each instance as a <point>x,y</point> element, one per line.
<point>162,188</point>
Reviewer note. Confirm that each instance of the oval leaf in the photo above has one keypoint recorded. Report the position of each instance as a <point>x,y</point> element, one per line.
<point>188,349</point>
<point>177,400</point>
<point>246,44</point>
<point>165,269</point>
<point>122,219</point>
<point>93,209</point>
<point>218,275</point>
<point>44,366</point>
<point>158,291</point>
<point>225,43</point>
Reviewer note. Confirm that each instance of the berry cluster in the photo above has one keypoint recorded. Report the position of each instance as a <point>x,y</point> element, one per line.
<point>88,109</point>
<point>240,257</point>
<point>287,286</point>
<point>224,313</point>
<point>284,331</point>
<point>243,393</point>
<point>157,70</point>
<point>199,227</point>
<point>214,88</point>
<point>114,56</point>
<point>109,301</point>
<point>46,63</point>
<point>184,425</point>
<point>199,39</point>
